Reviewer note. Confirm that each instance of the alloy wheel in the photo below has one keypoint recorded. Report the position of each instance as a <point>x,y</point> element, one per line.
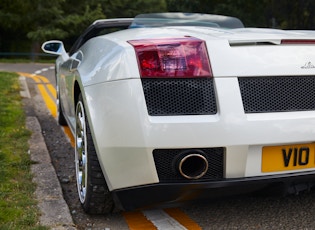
<point>81,152</point>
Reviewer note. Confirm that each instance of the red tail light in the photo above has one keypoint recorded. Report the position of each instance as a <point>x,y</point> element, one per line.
<point>174,58</point>
<point>298,42</point>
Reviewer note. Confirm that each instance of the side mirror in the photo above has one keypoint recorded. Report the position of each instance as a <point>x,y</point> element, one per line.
<point>55,47</point>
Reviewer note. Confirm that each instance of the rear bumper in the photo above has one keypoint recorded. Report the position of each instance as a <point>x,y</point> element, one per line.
<point>125,136</point>
<point>174,194</point>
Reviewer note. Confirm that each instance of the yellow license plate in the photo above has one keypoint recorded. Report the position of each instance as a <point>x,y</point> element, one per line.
<point>288,157</point>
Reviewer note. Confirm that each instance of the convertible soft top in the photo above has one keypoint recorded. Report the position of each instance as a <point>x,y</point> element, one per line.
<point>186,19</point>
<point>104,26</point>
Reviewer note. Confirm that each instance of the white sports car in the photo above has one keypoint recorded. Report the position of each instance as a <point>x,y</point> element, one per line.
<point>169,108</point>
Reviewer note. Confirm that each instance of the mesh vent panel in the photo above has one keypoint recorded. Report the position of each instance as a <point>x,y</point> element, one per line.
<point>277,94</point>
<point>171,97</point>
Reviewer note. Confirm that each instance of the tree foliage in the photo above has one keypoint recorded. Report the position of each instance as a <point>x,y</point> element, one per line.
<point>284,14</point>
<point>35,21</point>
<point>24,24</point>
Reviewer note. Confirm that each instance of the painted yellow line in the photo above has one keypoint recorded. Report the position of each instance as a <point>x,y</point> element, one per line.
<point>42,84</point>
<point>182,218</point>
<point>50,102</point>
<point>68,132</point>
<point>41,79</point>
<point>136,221</point>
<point>50,87</point>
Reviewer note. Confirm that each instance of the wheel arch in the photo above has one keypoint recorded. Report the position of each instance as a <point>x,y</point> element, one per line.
<point>76,93</point>
<point>77,90</point>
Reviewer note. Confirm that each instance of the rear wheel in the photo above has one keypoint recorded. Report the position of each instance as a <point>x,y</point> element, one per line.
<point>92,188</point>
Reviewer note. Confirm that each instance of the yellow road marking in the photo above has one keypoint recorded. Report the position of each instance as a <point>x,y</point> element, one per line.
<point>136,221</point>
<point>68,132</point>
<point>50,87</point>
<point>42,84</point>
<point>50,102</point>
<point>182,218</point>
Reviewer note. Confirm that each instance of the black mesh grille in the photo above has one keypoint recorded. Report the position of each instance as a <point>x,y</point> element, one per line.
<point>277,94</point>
<point>165,162</point>
<point>171,97</point>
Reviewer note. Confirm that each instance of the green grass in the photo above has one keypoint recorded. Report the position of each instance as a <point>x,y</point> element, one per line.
<point>18,208</point>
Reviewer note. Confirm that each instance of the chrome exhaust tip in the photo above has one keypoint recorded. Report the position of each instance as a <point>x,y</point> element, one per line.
<point>193,166</point>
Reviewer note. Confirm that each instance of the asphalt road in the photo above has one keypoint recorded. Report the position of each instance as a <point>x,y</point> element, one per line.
<point>247,212</point>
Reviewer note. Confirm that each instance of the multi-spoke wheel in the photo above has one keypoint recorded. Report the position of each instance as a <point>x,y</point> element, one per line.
<point>92,188</point>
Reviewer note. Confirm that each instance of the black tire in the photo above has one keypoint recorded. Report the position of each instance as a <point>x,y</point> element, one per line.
<point>93,191</point>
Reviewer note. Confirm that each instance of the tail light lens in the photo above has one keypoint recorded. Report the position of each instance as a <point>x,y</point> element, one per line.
<point>298,42</point>
<point>172,58</point>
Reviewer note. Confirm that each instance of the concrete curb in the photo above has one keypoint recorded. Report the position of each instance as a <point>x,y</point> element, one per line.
<point>55,212</point>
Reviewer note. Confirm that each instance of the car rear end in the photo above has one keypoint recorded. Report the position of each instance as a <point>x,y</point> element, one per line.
<point>205,114</point>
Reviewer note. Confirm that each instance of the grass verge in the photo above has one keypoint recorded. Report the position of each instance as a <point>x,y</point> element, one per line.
<point>18,208</point>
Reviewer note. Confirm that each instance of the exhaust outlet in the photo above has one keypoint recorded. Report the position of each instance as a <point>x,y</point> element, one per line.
<point>192,166</point>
